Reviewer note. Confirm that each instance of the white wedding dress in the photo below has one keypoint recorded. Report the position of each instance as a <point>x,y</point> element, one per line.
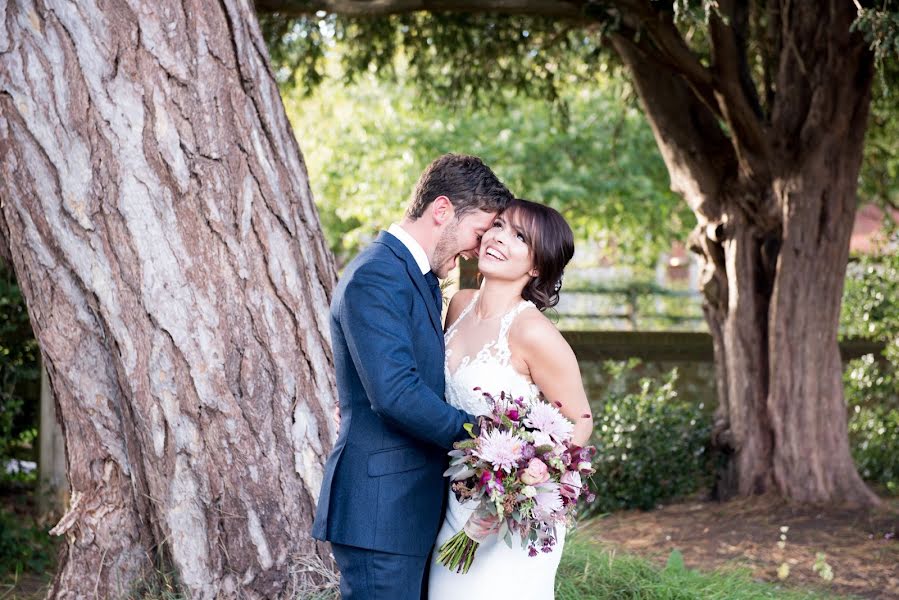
<point>497,571</point>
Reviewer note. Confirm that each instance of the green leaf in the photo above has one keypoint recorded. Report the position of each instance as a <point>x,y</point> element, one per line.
<point>675,561</point>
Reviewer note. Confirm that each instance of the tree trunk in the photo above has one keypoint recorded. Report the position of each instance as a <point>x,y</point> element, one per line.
<point>775,204</point>
<point>157,213</point>
<point>812,462</point>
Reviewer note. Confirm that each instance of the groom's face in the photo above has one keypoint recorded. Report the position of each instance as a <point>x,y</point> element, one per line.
<point>461,236</point>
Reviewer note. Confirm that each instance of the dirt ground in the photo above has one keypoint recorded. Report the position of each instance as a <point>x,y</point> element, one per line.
<point>861,547</point>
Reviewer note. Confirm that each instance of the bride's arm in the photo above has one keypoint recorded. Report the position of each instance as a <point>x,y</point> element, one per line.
<point>553,367</point>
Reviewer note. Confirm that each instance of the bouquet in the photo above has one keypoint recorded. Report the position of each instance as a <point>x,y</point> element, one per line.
<point>524,475</point>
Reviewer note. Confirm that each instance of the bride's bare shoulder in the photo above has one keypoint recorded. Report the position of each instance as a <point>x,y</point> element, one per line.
<point>533,331</point>
<point>457,304</point>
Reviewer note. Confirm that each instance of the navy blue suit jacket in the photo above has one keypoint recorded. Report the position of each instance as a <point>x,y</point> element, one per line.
<point>383,486</point>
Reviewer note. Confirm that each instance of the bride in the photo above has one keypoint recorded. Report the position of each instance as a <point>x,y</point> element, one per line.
<point>497,339</point>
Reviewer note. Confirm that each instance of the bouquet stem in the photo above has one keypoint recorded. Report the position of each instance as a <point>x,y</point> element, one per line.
<point>458,552</point>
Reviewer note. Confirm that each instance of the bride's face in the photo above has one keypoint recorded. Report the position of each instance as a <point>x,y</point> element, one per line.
<point>505,251</point>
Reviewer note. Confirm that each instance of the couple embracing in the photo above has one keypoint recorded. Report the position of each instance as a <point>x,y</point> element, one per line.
<point>407,383</point>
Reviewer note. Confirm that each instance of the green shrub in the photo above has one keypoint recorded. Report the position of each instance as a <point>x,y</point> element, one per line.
<point>18,365</point>
<point>24,546</point>
<point>651,445</point>
<point>871,309</point>
<point>872,396</point>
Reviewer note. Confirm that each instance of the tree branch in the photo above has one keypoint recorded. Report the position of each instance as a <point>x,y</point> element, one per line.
<point>699,156</point>
<point>560,9</point>
<point>771,48</point>
<point>735,90</point>
<point>640,15</point>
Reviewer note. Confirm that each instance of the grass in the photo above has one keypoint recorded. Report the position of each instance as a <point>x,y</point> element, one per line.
<point>589,572</point>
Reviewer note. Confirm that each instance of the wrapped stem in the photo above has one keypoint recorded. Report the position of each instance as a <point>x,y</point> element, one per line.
<point>458,552</point>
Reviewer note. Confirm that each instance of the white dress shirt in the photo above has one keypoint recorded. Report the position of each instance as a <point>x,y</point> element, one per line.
<point>418,253</point>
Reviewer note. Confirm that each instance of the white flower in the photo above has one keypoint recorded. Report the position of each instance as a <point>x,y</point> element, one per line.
<point>529,491</point>
<point>547,502</point>
<point>571,484</point>
<point>542,439</point>
<point>502,449</point>
<point>547,419</point>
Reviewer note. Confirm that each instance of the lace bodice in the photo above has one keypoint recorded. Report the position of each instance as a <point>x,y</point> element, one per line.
<point>490,368</point>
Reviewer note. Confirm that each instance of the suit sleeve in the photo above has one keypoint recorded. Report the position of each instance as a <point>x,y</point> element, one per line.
<point>377,326</point>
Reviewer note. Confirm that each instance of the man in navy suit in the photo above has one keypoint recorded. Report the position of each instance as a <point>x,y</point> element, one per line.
<point>383,491</point>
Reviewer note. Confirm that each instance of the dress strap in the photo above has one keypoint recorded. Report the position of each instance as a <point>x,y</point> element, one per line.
<point>452,328</point>
<point>503,353</point>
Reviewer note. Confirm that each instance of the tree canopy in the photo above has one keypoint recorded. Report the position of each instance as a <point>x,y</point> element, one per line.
<point>492,54</point>
<point>364,144</point>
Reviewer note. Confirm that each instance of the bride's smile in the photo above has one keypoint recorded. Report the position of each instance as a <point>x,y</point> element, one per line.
<point>505,252</point>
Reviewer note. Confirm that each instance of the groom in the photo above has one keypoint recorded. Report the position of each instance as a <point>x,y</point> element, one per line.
<point>383,489</point>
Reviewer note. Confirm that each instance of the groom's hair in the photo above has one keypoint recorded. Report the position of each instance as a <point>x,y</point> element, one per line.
<point>465,180</point>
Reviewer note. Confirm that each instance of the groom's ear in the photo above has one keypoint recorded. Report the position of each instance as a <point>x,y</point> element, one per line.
<point>442,210</point>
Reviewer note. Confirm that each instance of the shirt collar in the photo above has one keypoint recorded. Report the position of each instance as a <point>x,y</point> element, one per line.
<point>418,253</point>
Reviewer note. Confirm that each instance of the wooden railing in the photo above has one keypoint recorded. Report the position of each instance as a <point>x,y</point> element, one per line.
<point>689,346</point>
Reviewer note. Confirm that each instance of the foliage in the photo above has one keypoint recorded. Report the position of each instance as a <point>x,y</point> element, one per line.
<point>365,145</point>
<point>871,309</point>
<point>452,58</point>
<point>872,396</point>
<point>18,362</point>
<point>651,446</point>
<point>24,546</point>
<point>871,296</point>
<point>590,572</point>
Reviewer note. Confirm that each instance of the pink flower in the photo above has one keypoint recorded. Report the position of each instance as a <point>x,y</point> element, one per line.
<point>501,449</point>
<point>547,419</point>
<point>535,473</point>
<point>571,484</point>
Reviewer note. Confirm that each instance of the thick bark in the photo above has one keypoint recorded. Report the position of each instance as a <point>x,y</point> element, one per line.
<point>826,124</point>
<point>158,216</point>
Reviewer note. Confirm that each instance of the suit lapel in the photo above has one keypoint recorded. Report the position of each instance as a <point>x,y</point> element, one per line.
<point>415,274</point>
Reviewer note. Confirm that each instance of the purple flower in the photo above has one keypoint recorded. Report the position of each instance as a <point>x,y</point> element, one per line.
<point>532,551</point>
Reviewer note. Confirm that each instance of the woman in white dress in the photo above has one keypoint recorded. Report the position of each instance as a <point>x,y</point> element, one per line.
<point>497,339</point>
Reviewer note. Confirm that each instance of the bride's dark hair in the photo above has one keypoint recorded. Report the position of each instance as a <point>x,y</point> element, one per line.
<point>552,246</point>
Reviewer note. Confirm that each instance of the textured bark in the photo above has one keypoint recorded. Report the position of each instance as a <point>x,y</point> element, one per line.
<point>157,213</point>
